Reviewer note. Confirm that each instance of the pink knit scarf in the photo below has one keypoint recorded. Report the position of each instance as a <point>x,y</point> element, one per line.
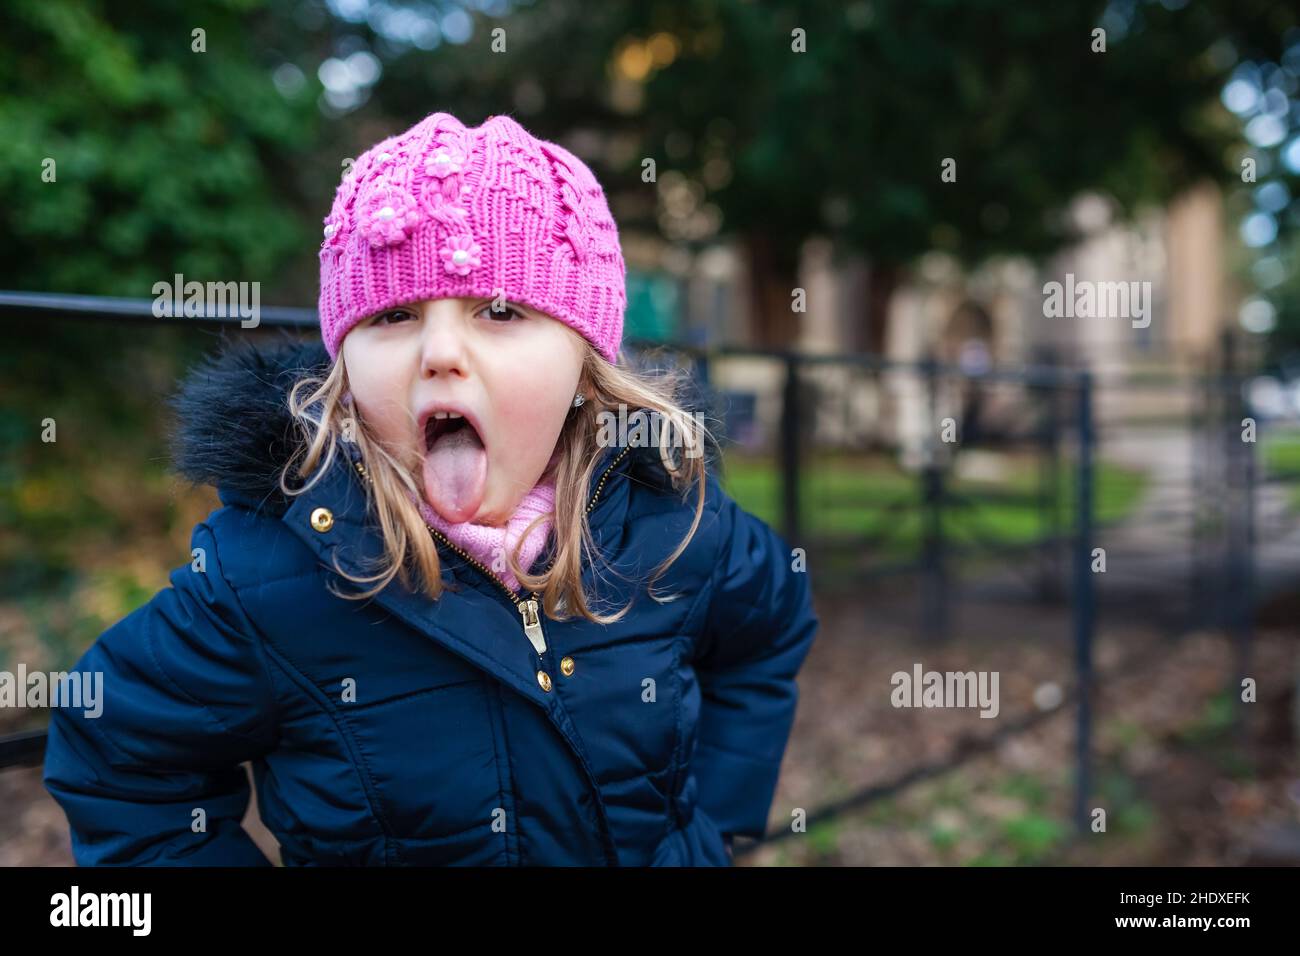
<point>489,544</point>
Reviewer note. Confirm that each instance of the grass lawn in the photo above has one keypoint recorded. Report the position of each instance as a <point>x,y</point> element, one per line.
<point>1280,455</point>
<point>868,497</point>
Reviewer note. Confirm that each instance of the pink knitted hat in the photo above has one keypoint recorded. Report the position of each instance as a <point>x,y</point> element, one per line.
<point>444,210</point>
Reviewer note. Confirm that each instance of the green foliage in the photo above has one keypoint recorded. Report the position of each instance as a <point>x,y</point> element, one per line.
<point>171,160</point>
<point>943,838</point>
<point>1029,789</point>
<point>103,480</point>
<point>1127,733</point>
<point>1127,813</point>
<point>1211,724</point>
<point>166,160</point>
<point>847,138</point>
<point>1134,818</point>
<point>1032,836</point>
<point>989,858</point>
<point>824,837</point>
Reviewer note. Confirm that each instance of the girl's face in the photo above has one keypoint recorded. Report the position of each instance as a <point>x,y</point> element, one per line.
<point>512,374</point>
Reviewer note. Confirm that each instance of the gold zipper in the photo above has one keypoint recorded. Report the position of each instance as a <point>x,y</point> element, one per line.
<point>529,609</point>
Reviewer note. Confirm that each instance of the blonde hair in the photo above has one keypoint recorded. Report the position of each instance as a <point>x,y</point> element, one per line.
<point>318,406</point>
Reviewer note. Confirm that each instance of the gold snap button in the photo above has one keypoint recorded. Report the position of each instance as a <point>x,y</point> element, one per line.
<point>322,519</point>
<point>544,679</point>
<point>566,665</point>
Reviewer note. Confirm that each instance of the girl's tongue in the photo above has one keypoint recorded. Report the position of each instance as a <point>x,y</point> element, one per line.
<point>455,474</point>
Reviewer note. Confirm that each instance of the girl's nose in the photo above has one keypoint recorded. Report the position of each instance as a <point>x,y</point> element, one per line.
<point>442,340</point>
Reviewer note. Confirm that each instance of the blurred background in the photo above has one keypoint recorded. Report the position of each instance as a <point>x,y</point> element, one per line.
<point>847,219</point>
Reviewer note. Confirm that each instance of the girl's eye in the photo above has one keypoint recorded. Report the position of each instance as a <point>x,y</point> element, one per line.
<point>391,317</point>
<point>501,315</point>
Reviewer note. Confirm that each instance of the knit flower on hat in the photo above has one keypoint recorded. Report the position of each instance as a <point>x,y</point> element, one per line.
<point>334,235</point>
<point>460,254</point>
<point>380,162</point>
<point>445,161</point>
<point>386,214</point>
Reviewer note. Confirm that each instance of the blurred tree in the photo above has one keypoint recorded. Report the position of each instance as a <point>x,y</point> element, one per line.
<point>777,121</point>
<point>848,139</point>
<point>1283,295</point>
<point>770,121</point>
<point>171,150</point>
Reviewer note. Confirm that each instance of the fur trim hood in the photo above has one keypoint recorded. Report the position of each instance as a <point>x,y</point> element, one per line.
<point>232,428</point>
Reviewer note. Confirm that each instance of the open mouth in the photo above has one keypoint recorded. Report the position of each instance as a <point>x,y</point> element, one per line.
<point>436,428</point>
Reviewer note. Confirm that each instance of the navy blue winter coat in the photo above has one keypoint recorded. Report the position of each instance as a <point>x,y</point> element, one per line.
<point>652,741</point>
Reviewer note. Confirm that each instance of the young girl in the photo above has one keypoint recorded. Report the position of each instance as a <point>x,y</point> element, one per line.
<point>450,611</point>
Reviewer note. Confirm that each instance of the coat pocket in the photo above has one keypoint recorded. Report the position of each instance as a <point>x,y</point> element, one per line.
<point>432,757</point>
